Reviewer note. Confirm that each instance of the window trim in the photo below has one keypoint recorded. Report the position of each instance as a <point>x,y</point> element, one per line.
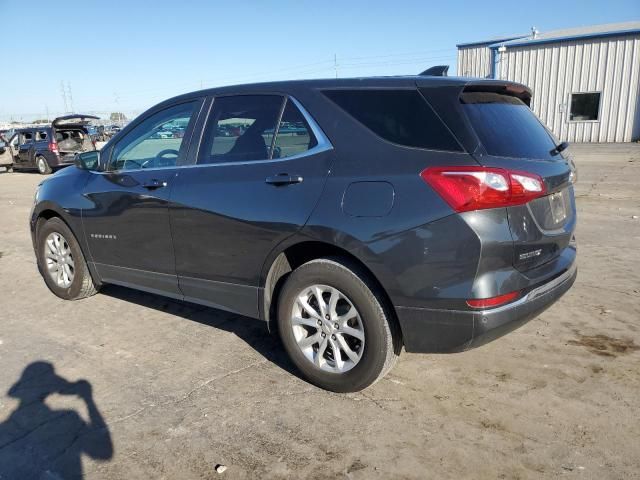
<point>571,94</point>
<point>199,102</point>
<point>323,143</point>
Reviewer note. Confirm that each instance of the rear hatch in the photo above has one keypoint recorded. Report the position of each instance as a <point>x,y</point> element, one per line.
<point>71,135</point>
<point>512,137</point>
<point>73,120</point>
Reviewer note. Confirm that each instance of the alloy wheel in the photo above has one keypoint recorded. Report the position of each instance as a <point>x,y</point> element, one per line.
<point>327,328</point>
<point>59,260</point>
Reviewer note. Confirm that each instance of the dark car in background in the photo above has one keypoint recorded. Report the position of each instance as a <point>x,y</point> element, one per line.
<point>48,148</point>
<point>357,215</point>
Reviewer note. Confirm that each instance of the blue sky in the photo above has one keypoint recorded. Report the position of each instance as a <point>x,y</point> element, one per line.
<point>128,55</point>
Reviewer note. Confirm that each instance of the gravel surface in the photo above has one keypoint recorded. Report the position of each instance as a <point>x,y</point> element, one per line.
<point>174,390</point>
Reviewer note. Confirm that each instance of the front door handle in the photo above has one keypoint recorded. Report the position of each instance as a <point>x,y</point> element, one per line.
<point>154,184</point>
<point>283,179</point>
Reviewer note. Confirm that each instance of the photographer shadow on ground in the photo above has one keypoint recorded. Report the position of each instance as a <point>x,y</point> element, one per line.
<point>39,442</point>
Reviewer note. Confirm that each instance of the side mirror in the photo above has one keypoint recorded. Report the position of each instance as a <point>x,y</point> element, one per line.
<point>563,146</point>
<point>88,160</point>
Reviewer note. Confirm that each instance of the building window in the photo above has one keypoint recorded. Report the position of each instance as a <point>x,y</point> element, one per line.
<point>585,107</point>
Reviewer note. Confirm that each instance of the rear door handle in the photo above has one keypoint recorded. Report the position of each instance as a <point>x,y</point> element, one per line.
<point>154,184</point>
<point>283,179</point>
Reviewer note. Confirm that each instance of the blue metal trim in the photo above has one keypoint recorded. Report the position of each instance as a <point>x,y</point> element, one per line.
<point>537,41</point>
<point>493,40</point>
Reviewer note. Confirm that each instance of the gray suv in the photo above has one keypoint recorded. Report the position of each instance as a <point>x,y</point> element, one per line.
<point>356,216</point>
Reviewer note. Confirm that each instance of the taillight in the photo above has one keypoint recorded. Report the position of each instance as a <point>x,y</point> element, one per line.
<point>493,301</point>
<point>477,188</point>
<point>53,147</point>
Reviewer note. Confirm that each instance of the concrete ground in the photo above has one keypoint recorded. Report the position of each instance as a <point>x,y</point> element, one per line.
<point>171,390</point>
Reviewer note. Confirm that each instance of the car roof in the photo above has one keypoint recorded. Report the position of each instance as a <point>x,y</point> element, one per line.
<point>337,83</point>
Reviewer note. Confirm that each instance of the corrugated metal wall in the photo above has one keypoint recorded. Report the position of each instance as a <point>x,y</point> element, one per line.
<point>474,61</point>
<point>609,65</point>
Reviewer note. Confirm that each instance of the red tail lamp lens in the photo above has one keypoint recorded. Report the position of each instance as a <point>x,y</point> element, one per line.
<point>477,188</point>
<point>493,301</point>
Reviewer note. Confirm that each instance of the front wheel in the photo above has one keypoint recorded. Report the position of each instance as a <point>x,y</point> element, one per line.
<point>61,262</point>
<point>43,166</point>
<point>335,326</point>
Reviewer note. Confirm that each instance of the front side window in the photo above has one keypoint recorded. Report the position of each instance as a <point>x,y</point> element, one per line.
<point>157,142</point>
<point>506,126</point>
<point>584,107</point>
<point>294,133</point>
<point>400,116</point>
<point>240,129</point>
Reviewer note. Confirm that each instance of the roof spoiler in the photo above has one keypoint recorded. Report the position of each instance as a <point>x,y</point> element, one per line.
<point>503,87</point>
<point>436,71</point>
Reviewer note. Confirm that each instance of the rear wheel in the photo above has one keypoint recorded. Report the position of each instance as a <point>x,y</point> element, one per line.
<point>336,330</point>
<point>43,166</point>
<point>61,262</point>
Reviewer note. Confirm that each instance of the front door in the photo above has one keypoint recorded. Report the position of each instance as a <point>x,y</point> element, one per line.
<point>25,149</point>
<point>126,222</point>
<point>261,167</point>
<point>14,148</point>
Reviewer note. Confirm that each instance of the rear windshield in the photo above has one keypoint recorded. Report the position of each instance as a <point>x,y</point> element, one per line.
<point>399,116</point>
<point>506,126</point>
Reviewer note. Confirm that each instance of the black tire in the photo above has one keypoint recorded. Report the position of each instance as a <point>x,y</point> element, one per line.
<point>82,285</point>
<point>42,165</point>
<point>382,343</point>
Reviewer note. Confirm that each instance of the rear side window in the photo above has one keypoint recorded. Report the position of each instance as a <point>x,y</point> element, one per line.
<point>40,136</point>
<point>506,126</point>
<point>399,116</point>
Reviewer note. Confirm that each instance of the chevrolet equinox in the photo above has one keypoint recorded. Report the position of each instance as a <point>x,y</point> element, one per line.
<point>360,216</point>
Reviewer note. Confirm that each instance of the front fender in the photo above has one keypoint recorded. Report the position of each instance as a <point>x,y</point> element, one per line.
<point>61,196</point>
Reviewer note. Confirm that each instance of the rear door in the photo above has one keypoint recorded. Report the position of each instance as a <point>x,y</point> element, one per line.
<point>512,137</point>
<point>126,220</point>
<point>261,167</point>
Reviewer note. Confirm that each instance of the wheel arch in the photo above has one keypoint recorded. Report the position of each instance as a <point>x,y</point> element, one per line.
<point>291,257</point>
<point>48,211</point>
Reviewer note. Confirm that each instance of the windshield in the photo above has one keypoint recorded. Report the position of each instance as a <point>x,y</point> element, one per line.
<point>507,127</point>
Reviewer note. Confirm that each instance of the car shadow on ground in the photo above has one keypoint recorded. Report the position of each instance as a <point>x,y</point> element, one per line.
<point>37,441</point>
<point>254,332</point>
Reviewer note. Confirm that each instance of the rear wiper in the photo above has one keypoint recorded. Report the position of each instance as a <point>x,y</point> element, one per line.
<point>559,148</point>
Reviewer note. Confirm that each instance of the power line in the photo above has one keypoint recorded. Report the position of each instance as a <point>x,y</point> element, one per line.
<point>328,67</point>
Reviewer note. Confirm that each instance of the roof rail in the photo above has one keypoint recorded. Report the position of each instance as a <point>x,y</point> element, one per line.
<point>436,71</point>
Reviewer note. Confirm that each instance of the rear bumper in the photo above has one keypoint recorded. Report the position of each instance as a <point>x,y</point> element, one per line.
<point>440,331</point>
<point>61,160</point>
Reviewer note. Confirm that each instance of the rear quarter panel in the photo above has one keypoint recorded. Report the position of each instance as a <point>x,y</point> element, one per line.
<point>419,249</point>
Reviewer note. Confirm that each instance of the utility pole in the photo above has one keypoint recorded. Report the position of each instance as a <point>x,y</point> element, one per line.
<point>64,96</point>
<point>46,107</point>
<point>335,64</point>
<point>70,97</point>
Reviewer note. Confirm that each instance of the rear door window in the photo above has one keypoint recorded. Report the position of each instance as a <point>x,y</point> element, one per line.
<point>400,116</point>
<point>294,133</point>
<point>507,127</point>
<point>240,128</point>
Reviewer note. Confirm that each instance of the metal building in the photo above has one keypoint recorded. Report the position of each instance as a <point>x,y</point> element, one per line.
<point>585,81</point>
